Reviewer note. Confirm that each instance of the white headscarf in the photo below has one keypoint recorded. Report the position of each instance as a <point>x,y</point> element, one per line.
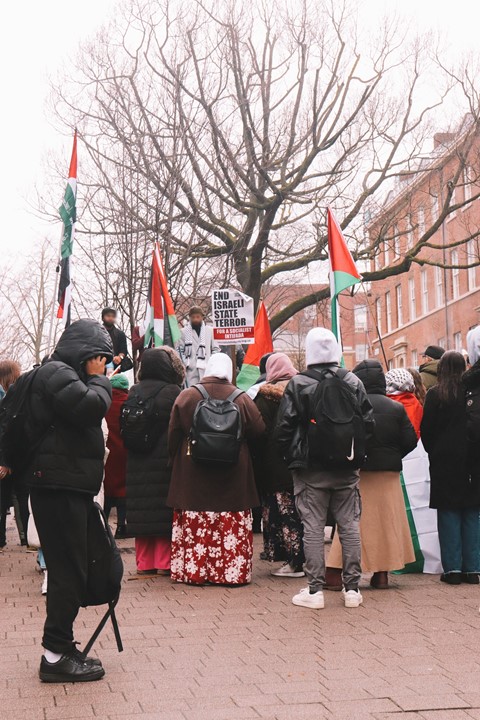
<point>219,366</point>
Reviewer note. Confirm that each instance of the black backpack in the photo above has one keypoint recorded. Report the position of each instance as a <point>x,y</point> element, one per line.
<point>336,429</point>
<point>16,444</point>
<point>105,571</point>
<point>216,434</point>
<point>140,426</point>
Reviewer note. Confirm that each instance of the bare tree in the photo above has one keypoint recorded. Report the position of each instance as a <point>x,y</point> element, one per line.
<point>238,124</point>
<point>27,303</point>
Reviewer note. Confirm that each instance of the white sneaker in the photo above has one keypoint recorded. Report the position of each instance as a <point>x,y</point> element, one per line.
<point>45,583</point>
<point>352,598</point>
<point>314,601</point>
<point>287,571</point>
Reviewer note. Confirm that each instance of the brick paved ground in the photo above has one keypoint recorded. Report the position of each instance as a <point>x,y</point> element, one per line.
<point>247,653</point>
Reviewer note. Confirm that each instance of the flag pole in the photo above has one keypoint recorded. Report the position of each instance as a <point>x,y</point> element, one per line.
<point>55,293</point>
<point>377,328</point>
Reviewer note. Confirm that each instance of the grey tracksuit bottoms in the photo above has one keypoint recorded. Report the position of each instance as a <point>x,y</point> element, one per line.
<point>315,493</point>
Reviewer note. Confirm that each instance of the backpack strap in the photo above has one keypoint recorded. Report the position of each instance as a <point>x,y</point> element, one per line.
<point>235,394</point>
<point>202,390</point>
<point>317,374</point>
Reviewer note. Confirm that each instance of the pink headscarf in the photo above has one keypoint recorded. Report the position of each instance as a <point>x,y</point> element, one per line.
<point>279,367</point>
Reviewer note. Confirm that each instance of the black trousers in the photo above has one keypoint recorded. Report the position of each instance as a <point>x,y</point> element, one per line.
<point>6,492</point>
<point>120,504</point>
<point>61,518</point>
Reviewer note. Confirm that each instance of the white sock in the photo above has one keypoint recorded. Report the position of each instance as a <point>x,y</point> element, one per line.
<point>52,657</point>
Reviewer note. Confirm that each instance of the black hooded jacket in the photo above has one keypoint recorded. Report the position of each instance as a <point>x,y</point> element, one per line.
<point>394,435</point>
<point>148,474</point>
<point>65,412</point>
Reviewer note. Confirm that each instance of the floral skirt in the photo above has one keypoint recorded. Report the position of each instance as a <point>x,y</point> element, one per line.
<point>282,530</point>
<point>211,547</point>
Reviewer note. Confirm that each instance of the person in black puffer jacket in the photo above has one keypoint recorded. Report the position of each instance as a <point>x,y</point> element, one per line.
<point>67,401</point>
<point>149,520</point>
<point>384,529</point>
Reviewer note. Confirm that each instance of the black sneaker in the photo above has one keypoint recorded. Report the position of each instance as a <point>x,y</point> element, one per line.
<point>451,578</point>
<point>471,578</point>
<point>84,658</point>
<point>70,668</point>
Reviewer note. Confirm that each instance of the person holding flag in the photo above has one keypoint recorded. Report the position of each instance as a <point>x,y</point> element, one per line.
<point>324,421</point>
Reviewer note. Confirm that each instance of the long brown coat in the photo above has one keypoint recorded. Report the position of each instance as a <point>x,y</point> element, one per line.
<point>206,488</point>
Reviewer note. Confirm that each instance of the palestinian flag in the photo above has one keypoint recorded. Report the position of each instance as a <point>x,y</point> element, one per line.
<point>68,214</point>
<point>263,344</point>
<point>343,271</point>
<point>161,326</point>
<point>422,520</point>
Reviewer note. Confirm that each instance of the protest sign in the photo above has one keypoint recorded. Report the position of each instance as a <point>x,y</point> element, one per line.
<point>233,317</point>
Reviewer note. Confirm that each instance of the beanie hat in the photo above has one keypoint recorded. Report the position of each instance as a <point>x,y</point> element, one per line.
<point>120,382</point>
<point>434,351</point>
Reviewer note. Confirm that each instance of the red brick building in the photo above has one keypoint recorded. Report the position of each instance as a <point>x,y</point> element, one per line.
<point>429,304</point>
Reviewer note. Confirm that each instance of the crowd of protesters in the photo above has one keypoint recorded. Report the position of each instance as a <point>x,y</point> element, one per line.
<point>191,513</point>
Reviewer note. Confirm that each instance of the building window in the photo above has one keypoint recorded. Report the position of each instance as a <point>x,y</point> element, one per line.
<point>439,286</point>
<point>387,254</point>
<point>453,201</point>
<point>398,292</point>
<point>415,358</point>
<point>467,182</point>
<point>391,365</point>
<point>472,271</point>
<point>424,276</point>
<point>409,231</point>
<point>441,342</point>
<point>457,341</point>
<point>378,307</point>
<point>360,315</point>
<point>360,352</point>
<point>421,221</point>
<point>388,306</point>
<point>412,299</point>
<point>435,208</point>
<point>455,274</point>
<point>396,243</point>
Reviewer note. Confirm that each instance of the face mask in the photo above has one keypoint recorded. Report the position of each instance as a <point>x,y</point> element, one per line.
<point>196,325</point>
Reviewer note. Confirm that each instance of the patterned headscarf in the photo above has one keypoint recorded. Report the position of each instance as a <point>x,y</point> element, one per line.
<point>399,381</point>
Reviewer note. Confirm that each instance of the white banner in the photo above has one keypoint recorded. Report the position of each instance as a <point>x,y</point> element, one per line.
<point>233,317</point>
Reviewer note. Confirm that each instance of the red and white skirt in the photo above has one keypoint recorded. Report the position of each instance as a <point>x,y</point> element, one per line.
<point>212,547</point>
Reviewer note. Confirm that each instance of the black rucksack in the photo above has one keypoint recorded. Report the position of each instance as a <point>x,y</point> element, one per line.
<point>16,444</point>
<point>216,434</point>
<point>336,428</point>
<point>104,573</point>
<point>140,427</point>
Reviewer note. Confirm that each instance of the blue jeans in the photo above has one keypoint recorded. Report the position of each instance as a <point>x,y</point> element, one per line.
<point>459,535</point>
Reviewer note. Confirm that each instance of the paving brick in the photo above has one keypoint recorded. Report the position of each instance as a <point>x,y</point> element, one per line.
<point>220,654</point>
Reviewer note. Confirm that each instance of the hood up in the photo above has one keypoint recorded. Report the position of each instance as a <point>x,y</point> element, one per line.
<point>81,341</point>
<point>473,345</point>
<point>322,348</point>
<point>162,363</point>
<point>371,374</point>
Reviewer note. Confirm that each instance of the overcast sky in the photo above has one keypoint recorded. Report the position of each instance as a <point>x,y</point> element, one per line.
<point>37,37</point>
